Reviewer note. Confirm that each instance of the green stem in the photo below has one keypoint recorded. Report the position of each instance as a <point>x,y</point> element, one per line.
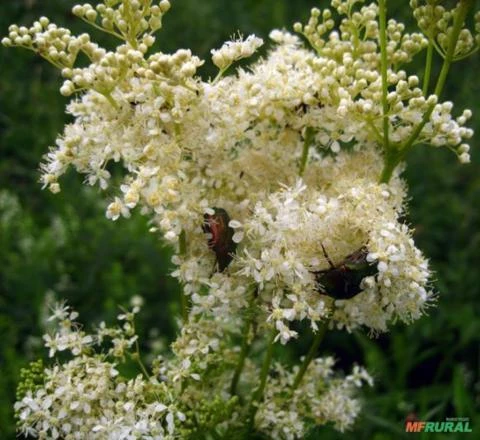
<point>246,345</point>
<point>138,358</point>
<point>375,131</point>
<point>265,367</point>
<point>258,394</point>
<point>136,355</point>
<point>183,299</point>
<point>309,134</point>
<point>466,55</point>
<point>390,161</point>
<point>428,67</point>
<point>111,100</point>
<point>310,355</point>
<point>220,73</point>
<point>95,25</point>
<point>462,11</point>
<point>382,4</point>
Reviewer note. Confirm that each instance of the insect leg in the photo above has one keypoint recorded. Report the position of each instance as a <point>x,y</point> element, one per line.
<point>327,257</point>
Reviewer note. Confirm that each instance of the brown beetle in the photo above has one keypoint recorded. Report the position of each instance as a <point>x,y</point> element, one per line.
<point>343,280</point>
<point>221,240</point>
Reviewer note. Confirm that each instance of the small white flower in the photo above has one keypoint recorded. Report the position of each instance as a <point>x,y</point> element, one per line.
<point>233,51</point>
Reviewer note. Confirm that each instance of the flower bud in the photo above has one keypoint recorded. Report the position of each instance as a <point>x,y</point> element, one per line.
<point>164,6</point>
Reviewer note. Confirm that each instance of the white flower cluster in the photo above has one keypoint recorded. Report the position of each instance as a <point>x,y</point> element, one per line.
<point>87,398</point>
<point>279,187</point>
<point>322,397</point>
<point>340,221</point>
<point>176,135</point>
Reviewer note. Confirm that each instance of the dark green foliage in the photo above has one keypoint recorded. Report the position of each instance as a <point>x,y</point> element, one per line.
<point>63,247</point>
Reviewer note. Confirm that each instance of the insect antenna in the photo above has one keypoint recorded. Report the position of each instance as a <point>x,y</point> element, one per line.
<point>327,257</point>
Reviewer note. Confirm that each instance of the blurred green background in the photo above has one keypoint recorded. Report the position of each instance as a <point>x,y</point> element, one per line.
<point>55,247</point>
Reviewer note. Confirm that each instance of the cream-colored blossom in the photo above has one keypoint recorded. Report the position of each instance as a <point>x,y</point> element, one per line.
<point>233,51</point>
<point>291,150</point>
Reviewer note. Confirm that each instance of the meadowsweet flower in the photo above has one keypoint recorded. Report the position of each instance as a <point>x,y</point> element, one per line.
<point>296,151</point>
<point>87,395</point>
<point>284,415</point>
<point>235,50</point>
